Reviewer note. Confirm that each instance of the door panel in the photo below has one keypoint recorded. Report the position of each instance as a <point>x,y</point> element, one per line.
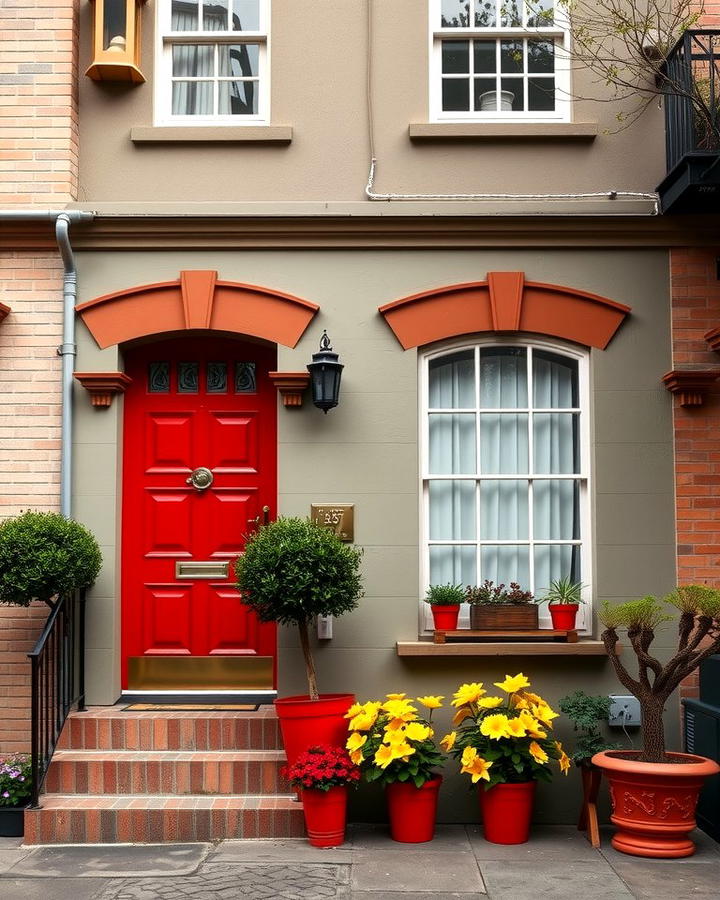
<point>194,403</point>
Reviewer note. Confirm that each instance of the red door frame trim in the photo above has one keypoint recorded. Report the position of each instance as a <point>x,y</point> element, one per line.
<point>197,300</point>
<point>504,303</point>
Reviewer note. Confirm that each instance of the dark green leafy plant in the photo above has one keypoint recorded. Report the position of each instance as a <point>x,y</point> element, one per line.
<point>15,779</point>
<point>44,555</point>
<point>489,592</point>
<point>445,595</point>
<point>293,570</point>
<point>586,712</point>
<point>563,591</point>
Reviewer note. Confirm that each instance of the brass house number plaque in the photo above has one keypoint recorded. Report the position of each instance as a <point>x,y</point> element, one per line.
<point>337,517</point>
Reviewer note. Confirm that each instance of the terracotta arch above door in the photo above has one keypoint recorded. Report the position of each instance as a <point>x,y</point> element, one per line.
<point>504,303</point>
<point>197,300</point>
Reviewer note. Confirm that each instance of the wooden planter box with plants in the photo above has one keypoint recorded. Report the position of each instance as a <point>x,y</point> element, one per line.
<point>654,791</point>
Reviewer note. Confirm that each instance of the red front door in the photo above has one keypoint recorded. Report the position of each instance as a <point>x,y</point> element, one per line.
<point>199,469</point>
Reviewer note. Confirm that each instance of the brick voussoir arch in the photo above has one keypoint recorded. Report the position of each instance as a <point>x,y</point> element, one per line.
<point>504,303</point>
<point>197,300</point>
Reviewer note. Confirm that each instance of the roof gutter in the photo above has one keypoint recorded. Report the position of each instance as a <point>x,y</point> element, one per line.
<point>63,220</point>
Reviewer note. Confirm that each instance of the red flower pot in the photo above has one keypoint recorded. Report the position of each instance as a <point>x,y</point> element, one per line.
<point>563,615</point>
<point>305,723</point>
<point>654,803</point>
<point>506,812</point>
<point>445,617</point>
<point>325,813</point>
<point>412,810</point>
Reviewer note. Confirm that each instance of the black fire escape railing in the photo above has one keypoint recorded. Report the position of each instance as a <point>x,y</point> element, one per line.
<point>692,96</point>
<point>57,681</point>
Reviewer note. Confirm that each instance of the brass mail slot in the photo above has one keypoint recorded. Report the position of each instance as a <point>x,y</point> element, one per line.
<point>200,673</point>
<point>199,570</point>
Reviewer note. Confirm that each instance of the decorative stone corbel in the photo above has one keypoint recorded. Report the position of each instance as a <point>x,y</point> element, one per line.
<point>713,338</point>
<point>690,386</point>
<point>102,386</point>
<point>290,385</point>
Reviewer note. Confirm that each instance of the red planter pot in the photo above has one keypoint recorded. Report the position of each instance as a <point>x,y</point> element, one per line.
<point>306,723</point>
<point>325,815</point>
<point>563,615</point>
<point>412,811</point>
<point>654,803</point>
<point>507,811</point>
<point>445,617</point>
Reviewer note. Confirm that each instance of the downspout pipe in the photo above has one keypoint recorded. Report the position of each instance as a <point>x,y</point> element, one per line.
<point>67,349</point>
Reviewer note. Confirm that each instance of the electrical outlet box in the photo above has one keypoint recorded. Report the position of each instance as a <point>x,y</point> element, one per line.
<point>625,710</point>
<point>324,628</point>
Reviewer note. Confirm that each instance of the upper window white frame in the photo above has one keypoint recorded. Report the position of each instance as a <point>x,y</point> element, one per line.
<point>224,52</point>
<point>499,56</point>
<point>582,476</point>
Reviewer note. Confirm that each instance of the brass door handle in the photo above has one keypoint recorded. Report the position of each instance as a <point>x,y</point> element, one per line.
<point>265,517</point>
<point>200,478</point>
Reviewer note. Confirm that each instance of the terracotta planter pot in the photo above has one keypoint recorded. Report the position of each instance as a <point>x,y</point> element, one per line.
<point>325,815</point>
<point>503,616</point>
<point>412,810</point>
<point>12,821</point>
<point>563,615</point>
<point>305,722</point>
<point>507,812</point>
<point>654,803</point>
<point>445,617</point>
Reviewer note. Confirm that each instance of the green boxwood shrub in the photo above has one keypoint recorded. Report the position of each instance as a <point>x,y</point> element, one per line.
<point>43,555</point>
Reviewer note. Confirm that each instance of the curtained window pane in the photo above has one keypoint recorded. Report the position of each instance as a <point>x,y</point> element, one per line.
<point>452,381</point>
<point>556,510</point>
<point>452,444</point>
<point>452,510</point>
<point>505,563</point>
<point>453,565</point>
<point>555,383</point>
<point>503,378</point>
<point>503,510</point>
<point>556,444</point>
<point>555,561</point>
<point>503,443</point>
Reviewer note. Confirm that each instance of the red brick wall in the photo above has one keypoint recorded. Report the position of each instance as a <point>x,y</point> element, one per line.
<point>695,311</point>
<point>711,14</point>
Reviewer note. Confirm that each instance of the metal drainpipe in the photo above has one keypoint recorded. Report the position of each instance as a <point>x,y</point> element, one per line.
<point>67,349</point>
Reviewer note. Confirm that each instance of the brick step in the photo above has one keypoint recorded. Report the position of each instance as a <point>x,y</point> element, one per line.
<point>120,819</point>
<point>167,772</point>
<point>110,728</point>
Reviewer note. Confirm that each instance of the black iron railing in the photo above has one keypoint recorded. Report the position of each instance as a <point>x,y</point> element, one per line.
<point>692,95</point>
<point>57,681</point>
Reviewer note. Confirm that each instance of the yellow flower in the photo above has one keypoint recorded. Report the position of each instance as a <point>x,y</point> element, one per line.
<point>531,725</point>
<point>403,751</point>
<point>468,755</point>
<point>448,742</point>
<point>354,710</point>
<point>519,702</point>
<point>564,763</point>
<point>416,731</point>
<point>537,752</point>
<point>431,702</point>
<point>468,693</point>
<point>490,702</point>
<point>512,683</point>
<point>494,727</point>
<point>363,721</point>
<point>544,713</point>
<point>462,714</point>
<point>477,769</point>
<point>356,756</point>
<point>355,741</point>
<point>394,736</point>
<point>533,698</point>
<point>396,696</point>
<point>384,756</point>
<point>515,728</point>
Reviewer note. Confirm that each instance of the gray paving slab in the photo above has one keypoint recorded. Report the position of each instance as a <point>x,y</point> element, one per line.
<point>404,895</point>
<point>374,837</point>
<point>706,849</point>
<point>404,870</point>
<point>530,879</point>
<point>111,861</point>
<point>41,889</point>
<point>10,856</point>
<point>559,842</point>
<point>653,879</point>
<point>281,851</point>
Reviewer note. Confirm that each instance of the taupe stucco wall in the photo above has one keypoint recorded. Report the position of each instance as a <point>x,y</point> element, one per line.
<point>366,452</point>
<point>318,86</point>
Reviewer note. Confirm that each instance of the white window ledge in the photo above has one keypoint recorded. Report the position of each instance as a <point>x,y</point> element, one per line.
<point>583,647</point>
<point>483,131</point>
<point>211,134</point>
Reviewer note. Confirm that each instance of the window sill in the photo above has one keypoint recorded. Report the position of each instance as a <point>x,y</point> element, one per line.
<point>583,647</point>
<point>492,131</point>
<point>211,134</point>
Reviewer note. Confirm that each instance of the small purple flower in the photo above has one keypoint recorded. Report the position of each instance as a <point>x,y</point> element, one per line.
<point>6,794</point>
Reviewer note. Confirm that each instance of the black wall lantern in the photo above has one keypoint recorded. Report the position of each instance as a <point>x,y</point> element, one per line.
<point>325,372</point>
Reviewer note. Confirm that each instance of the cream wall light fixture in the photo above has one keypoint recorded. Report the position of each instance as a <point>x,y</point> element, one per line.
<point>116,41</point>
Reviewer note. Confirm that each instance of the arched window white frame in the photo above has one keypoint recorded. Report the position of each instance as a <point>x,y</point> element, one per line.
<point>505,474</point>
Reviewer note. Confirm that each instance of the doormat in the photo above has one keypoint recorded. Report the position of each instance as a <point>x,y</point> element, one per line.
<point>199,707</point>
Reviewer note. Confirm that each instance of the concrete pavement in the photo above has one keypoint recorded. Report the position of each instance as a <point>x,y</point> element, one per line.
<point>557,863</point>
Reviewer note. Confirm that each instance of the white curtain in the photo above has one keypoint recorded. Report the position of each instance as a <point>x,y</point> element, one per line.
<point>195,98</point>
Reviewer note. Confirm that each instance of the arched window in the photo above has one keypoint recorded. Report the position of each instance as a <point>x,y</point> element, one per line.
<point>505,464</point>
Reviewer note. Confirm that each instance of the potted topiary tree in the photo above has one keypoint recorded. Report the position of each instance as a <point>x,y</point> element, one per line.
<point>292,571</point>
<point>45,555</point>
<point>654,792</point>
